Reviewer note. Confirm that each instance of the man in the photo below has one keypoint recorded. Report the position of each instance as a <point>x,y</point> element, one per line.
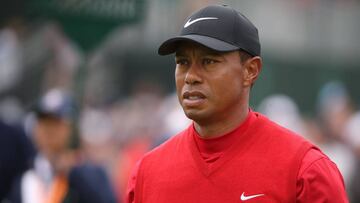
<point>16,154</point>
<point>230,153</point>
<point>60,174</point>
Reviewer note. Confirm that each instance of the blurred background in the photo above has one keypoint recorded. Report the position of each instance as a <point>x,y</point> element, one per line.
<point>105,54</point>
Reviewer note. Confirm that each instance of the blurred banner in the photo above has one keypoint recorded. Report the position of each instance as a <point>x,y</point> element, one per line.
<point>88,21</point>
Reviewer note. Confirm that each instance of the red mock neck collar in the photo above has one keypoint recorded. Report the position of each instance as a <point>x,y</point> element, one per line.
<point>211,149</point>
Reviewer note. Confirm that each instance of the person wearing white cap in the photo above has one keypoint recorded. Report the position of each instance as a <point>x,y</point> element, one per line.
<point>59,173</point>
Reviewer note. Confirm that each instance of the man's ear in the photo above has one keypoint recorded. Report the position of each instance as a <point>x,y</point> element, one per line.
<point>252,68</point>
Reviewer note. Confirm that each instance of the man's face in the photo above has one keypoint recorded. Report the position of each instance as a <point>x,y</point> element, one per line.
<point>210,85</point>
<point>52,135</point>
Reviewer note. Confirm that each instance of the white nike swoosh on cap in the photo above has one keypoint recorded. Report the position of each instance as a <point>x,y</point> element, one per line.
<point>244,198</point>
<point>189,22</point>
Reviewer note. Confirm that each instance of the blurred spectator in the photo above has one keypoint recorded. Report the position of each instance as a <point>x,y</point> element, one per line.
<point>16,154</point>
<point>97,136</point>
<point>11,110</point>
<point>10,59</point>
<point>99,142</point>
<point>139,125</point>
<point>173,118</point>
<point>59,173</point>
<point>334,108</point>
<point>284,111</point>
<point>352,135</point>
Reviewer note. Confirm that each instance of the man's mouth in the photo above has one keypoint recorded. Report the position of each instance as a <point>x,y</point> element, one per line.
<point>193,98</point>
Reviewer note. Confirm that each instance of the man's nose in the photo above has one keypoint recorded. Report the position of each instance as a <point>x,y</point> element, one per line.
<point>193,75</point>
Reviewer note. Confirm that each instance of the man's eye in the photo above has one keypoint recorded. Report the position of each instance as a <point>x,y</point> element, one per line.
<point>182,62</point>
<point>209,61</point>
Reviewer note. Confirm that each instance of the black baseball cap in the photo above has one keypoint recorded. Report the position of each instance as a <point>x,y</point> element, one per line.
<point>218,27</point>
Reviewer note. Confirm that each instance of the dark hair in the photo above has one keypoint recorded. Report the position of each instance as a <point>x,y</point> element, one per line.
<point>244,56</point>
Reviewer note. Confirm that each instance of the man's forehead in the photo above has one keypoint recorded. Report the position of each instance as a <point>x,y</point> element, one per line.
<point>189,47</point>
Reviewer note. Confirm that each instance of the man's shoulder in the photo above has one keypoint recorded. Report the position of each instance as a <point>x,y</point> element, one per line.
<point>273,129</point>
<point>276,135</point>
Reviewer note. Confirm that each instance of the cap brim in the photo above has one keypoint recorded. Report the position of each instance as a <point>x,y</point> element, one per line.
<point>40,112</point>
<point>170,46</point>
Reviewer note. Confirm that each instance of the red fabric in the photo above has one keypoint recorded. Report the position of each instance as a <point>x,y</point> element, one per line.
<point>262,158</point>
<point>212,149</point>
<point>129,157</point>
<point>319,180</point>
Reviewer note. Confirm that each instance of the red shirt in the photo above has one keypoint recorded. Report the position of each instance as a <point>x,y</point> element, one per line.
<point>273,163</point>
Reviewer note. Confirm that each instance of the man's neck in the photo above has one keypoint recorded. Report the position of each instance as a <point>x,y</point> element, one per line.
<point>222,127</point>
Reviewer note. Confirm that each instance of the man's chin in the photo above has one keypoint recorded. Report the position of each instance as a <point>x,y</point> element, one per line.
<point>195,115</point>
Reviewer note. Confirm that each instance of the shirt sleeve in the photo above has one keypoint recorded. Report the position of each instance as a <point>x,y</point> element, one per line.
<point>319,180</point>
<point>130,191</point>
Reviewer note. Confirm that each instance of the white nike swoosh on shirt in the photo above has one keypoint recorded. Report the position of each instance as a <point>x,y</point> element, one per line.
<point>244,198</point>
<point>189,22</point>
